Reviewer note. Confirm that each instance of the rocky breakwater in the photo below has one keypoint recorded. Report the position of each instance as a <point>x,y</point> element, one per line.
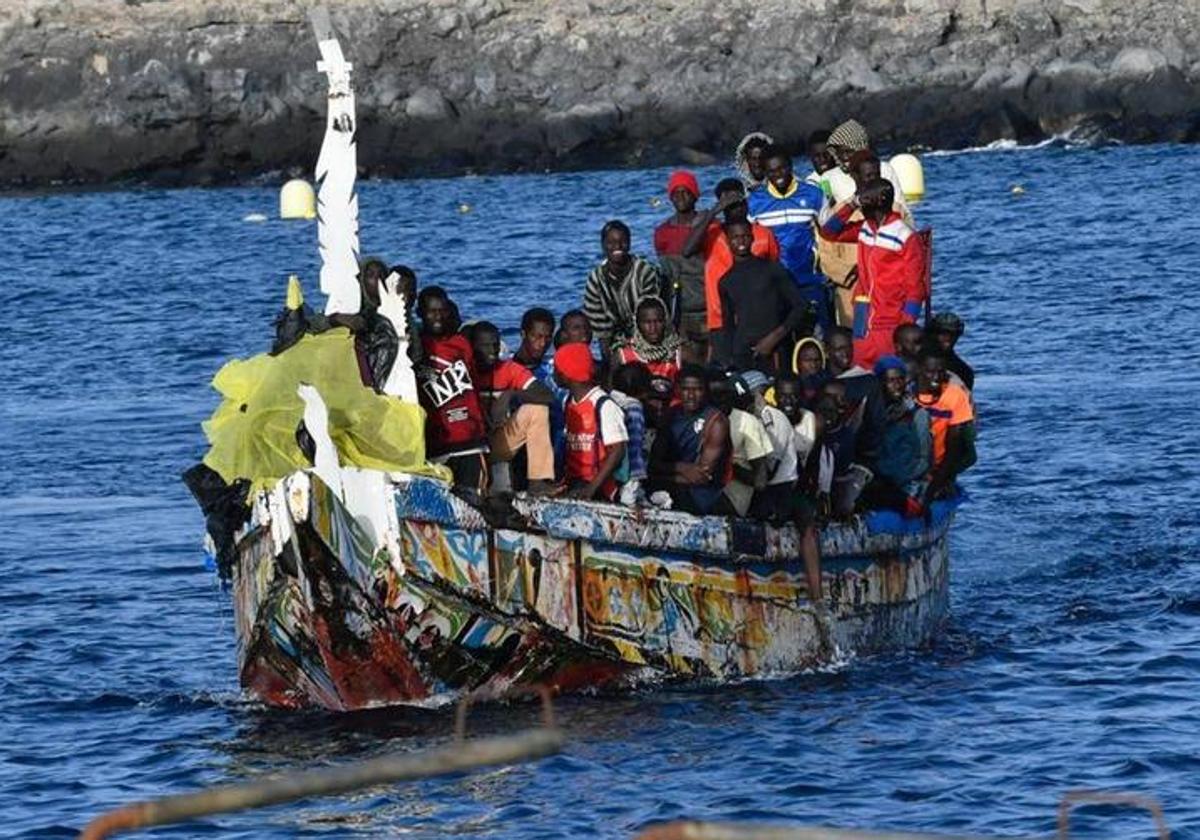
<point>193,91</point>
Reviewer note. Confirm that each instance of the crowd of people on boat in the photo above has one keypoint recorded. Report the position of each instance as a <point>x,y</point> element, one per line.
<point>779,360</point>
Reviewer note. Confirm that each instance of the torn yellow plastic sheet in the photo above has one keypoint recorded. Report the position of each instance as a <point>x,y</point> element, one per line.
<point>252,434</point>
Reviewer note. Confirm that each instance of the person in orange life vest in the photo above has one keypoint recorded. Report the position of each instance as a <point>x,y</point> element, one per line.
<point>596,435</point>
<point>654,342</point>
<point>708,239</point>
<point>891,264</point>
<point>455,431</point>
<point>692,458</point>
<point>952,421</point>
<point>499,383</point>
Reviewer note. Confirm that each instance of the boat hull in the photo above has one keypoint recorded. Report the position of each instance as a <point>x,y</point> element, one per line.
<point>439,603</point>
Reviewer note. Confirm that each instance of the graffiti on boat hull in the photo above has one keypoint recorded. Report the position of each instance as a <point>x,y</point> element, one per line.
<point>328,618</point>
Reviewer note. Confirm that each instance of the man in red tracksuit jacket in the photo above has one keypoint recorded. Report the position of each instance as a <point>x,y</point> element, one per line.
<point>891,269</point>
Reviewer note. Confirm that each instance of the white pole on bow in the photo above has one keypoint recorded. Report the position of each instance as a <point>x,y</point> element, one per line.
<point>337,168</point>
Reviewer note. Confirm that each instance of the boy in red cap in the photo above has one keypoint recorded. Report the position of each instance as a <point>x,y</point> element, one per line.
<point>685,274</point>
<point>596,435</point>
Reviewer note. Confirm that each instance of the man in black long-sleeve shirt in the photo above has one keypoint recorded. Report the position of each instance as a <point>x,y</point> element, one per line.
<point>761,308</point>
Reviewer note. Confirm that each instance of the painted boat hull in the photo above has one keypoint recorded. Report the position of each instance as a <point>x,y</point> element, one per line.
<point>332,614</point>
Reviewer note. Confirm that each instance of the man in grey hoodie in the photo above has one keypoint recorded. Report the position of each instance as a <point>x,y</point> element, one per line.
<point>748,159</point>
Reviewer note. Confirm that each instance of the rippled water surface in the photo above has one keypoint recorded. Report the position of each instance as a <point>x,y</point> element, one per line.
<point>1071,659</point>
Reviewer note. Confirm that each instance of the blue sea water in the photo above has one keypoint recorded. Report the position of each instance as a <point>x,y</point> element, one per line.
<point>1072,658</point>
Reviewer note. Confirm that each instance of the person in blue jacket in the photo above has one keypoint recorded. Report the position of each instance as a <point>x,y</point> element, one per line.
<point>790,207</point>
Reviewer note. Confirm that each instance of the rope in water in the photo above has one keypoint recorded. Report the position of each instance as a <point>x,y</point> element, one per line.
<point>453,758</point>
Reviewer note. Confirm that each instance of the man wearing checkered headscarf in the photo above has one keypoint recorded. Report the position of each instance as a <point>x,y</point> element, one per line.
<point>850,135</point>
<point>844,141</point>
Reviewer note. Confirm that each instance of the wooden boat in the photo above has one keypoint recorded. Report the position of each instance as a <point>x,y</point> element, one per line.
<point>574,595</point>
<point>357,588</point>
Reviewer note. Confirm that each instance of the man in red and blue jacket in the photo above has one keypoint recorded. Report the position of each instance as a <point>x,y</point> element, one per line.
<point>891,269</point>
<point>790,207</point>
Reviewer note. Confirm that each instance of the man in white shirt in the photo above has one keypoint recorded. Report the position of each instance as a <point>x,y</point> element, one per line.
<point>752,448</point>
<point>774,501</point>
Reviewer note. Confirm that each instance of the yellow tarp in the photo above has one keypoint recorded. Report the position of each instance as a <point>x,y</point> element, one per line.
<point>253,432</point>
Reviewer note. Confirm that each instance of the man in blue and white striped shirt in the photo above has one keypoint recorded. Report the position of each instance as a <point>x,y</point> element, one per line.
<point>790,207</point>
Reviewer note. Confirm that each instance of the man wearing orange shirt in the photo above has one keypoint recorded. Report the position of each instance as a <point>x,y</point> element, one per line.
<point>708,239</point>
<point>951,420</point>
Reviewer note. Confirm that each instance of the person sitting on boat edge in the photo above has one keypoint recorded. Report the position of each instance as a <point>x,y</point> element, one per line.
<point>596,436</point>
<point>761,309</point>
<point>791,400</point>
<point>776,492</point>
<point>691,459</point>
<point>842,421</point>
<point>863,394</point>
<point>952,422</point>
<point>630,390</point>
<point>902,467</point>
<point>516,407</point>
<point>683,276</point>
<point>709,241</point>
<point>944,331</point>
<point>455,430</point>
<point>910,340</point>
<point>573,328</point>
<point>790,208</point>
<point>537,335</point>
<point>615,286</point>
<point>784,499</point>
<point>654,343</point>
<point>750,446</point>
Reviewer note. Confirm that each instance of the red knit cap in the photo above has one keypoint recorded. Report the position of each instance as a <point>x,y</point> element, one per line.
<point>574,362</point>
<point>681,178</point>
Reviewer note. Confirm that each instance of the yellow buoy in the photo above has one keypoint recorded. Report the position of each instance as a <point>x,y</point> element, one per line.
<point>297,200</point>
<point>295,295</point>
<point>1017,189</point>
<point>912,177</point>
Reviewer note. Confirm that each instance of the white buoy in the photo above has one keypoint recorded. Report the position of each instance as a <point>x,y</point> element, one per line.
<point>297,200</point>
<point>912,176</point>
